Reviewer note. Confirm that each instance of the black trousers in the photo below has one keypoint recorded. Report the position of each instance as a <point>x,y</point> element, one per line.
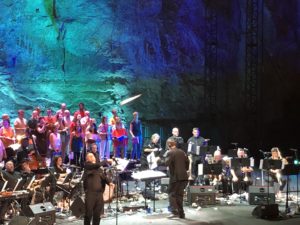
<point>94,205</point>
<point>176,192</point>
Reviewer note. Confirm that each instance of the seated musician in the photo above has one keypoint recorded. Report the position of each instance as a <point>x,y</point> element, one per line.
<point>155,147</point>
<point>119,137</point>
<point>58,165</point>
<point>275,175</point>
<point>215,159</point>
<point>94,151</point>
<point>11,176</point>
<point>241,176</point>
<point>23,151</point>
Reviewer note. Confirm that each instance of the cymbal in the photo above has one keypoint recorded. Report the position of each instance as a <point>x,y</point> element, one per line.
<point>207,139</point>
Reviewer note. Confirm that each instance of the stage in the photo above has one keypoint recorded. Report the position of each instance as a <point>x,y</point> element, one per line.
<point>235,213</point>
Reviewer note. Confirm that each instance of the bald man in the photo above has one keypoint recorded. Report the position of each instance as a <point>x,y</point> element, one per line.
<point>94,182</point>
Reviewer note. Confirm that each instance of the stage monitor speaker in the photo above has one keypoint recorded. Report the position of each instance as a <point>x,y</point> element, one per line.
<point>78,207</point>
<point>201,195</point>
<point>42,212</point>
<point>20,220</point>
<point>261,195</point>
<point>266,211</point>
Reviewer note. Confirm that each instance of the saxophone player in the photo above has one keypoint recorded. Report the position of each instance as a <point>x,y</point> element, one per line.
<point>241,175</point>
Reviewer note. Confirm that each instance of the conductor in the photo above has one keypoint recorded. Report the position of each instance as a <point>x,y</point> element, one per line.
<point>94,182</point>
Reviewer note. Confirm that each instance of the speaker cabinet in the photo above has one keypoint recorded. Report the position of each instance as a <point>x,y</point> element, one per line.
<point>43,212</point>
<point>266,211</point>
<point>78,207</point>
<point>261,195</point>
<point>201,195</point>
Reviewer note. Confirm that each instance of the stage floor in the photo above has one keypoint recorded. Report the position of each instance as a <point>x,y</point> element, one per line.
<point>235,213</point>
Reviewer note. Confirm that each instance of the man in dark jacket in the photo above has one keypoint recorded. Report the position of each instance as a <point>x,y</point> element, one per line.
<point>94,182</point>
<point>178,164</point>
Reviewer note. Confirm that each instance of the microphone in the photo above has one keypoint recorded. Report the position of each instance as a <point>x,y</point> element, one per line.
<point>293,149</point>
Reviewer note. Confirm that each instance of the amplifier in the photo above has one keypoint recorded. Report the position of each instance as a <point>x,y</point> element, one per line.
<point>201,195</point>
<point>259,195</point>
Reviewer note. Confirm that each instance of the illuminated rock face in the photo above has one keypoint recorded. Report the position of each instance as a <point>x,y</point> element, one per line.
<point>101,52</point>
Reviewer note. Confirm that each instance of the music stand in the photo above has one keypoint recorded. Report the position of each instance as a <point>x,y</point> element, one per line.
<point>210,169</point>
<point>289,169</point>
<point>268,164</point>
<point>240,162</point>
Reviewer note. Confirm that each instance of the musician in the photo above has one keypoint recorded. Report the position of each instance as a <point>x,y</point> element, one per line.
<point>119,137</point>
<point>113,120</point>
<point>195,143</point>
<point>276,174</point>
<point>178,164</point>
<point>241,176</point>
<point>50,119</point>
<point>61,111</point>
<point>80,111</point>
<point>3,155</point>
<point>104,131</point>
<point>94,151</point>
<point>58,165</point>
<point>41,137</point>
<point>175,136</point>
<point>91,134</point>
<point>10,175</point>
<point>63,130</point>
<point>54,141</point>
<point>7,134</point>
<point>135,130</point>
<point>23,151</point>
<point>20,124</point>
<point>94,182</point>
<point>76,144</point>
<point>153,146</point>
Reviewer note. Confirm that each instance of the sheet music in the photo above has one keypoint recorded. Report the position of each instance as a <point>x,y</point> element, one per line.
<point>148,174</point>
<point>152,161</point>
<point>189,150</point>
<point>121,164</point>
<point>200,169</point>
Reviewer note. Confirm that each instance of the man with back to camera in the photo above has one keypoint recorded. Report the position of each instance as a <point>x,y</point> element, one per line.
<point>178,164</point>
<point>94,182</point>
